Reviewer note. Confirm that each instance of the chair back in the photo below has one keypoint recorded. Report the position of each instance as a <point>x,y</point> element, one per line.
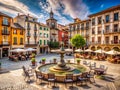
<point>51,76</point>
<point>24,69</point>
<point>106,69</point>
<point>102,66</point>
<point>85,62</point>
<point>91,73</point>
<point>38,74</point>
<point>84,75</point>
<point>69,76</point>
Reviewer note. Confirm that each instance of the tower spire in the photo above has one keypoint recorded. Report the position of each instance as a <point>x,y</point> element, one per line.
<point>51,13</point>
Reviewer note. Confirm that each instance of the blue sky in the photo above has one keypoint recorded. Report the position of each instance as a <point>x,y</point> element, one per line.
<point>64,10</point>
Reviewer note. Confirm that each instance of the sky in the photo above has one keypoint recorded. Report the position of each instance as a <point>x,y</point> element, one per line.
<point>64,10</point>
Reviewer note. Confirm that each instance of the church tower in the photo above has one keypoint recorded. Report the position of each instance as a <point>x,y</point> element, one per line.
<point>52,23</point>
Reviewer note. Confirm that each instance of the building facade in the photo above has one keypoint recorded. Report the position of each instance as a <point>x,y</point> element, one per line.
<point>31,30</point>
<point>17,36</point>
<point>44,38</point>
<point>5,30</point>
<point>81,27</point>
<point>52,23</point>
<point>105,29</point>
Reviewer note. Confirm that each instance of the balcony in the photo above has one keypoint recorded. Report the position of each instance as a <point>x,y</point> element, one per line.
<point>28,28</point>
<point>5,24</point>
<point>28,34</point>
<point>35,35</point>
<point>107,32</point>
<point>116,31</point>
<point>5,43</point>
<point>35,28</point>
<point>5,32</point>
<point>33,43</point>
<point>21,43</point>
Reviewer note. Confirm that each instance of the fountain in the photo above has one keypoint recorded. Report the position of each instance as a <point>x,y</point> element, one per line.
<point>61,68</point>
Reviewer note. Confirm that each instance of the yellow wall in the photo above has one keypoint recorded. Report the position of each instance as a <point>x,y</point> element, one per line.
<point>18,36</point>
<point>9,29</point>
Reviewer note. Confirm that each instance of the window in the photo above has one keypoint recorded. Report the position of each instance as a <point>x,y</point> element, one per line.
<point>28,40</point>
<point>28,25</point>
<point>40,28</point>
<point>87,25</point>
<point>47,35</point>
<point>82,26</point>
<point>93,30</point>
<point>99,20</point>
<point>99,40</point>
<point>93,39</point>
<point>106,40</point>
<point>40,34</point>
<point>115,39</point>
<point>21,32</point>
<point>107,29</point>
<point>44,34</point>
<point>115,27</point>
<point>40,42</point>
<point>5,21</point>
<point>5,30</point>
<point>99,30</point>
<point>44,28</point>
<point>116,16</point>
<point>15,41</point>
<point>107,18</point>
<point>44,42</point>
<point>21,40</point>
<point>14,31</point>
<point>93,21</point>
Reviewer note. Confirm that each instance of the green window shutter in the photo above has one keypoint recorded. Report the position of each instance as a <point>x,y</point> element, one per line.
<point>40,42</point>
<point>40,28</point>
<point>47,35</point>
<point>44,42</point>
<point>44,28</point>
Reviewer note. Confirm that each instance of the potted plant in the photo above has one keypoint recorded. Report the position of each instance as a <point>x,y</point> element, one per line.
<point>33,55</point>
<point>54,60</point>
<point>33,61</point>
<point>78,60</point>
<point>43,60</point>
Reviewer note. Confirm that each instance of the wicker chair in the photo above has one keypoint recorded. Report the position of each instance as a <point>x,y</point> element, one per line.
<point>90,76</point>
<point>51,78</point>
<point>69,79</point>
<point>39,76</point>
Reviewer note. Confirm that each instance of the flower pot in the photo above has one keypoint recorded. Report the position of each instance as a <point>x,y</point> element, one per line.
<point>54,60</point>
<point>33,63</point>
<point>43,62</point>
<point>78,62</point>
<point>68,61</point>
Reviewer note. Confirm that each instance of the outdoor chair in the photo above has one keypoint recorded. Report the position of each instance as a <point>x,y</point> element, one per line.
<point>51,78</point>
<point>82,78</point>
<point>39,76</point>
<point>105,70</point>
<point>69,79</point>
<point>102,66</point>
<point>90,76</point>
<point>28,76</point>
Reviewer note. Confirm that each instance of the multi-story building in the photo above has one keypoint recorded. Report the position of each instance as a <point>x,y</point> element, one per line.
<point>105,29</point>
<point>44,38</point>
<point>5,29</point>
<point>31,26</point>
<point>79,27</point>
<point>17,36</point>
<point>63,34</point>
<point>52,23</point>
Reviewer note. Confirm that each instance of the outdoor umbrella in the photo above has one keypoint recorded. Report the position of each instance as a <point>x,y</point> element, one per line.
<point>30,49</point>
<point>113,52</point>
<point>69,50</point>
<point>79,50</point>
<point>99,51</point>
<point>88,50</point>
<point>18,50</point>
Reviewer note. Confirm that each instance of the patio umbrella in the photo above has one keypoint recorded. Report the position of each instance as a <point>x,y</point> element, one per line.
<point>69,50</point>
<point>79,50</point>
<point>113,52</point>
<point>99,51</point>
<point>18,50</point>
<point>88,50</point>
<point>30,49</point>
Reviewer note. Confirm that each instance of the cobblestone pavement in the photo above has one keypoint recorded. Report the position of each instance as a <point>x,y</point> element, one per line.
<point>15,79</point>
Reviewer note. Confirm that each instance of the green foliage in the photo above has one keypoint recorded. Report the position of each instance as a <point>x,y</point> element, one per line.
<point>33,60</point>
<point>43,59</point>
<point>33,55</point>
<point>78,41</point>
<point>53,44</point>
<point>78,59</point>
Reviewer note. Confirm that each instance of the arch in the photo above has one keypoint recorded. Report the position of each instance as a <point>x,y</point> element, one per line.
<point>116,48</point>
<point>107,49</point>
<point>99,47</point>
<point>93,48</point>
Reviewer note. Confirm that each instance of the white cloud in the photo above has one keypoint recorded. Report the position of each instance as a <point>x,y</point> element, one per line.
<point>14,7</point>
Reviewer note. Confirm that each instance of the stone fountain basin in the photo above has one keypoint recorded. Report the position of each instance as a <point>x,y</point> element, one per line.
<point>60,75</point>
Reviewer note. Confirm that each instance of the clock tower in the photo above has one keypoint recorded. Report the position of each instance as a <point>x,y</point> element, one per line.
<point>52,23</point>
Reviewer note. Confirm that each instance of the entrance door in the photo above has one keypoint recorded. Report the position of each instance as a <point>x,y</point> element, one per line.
<point>5,52</point>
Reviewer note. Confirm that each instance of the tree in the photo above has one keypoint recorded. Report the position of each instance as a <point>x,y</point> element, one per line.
<point>78,41</point>
<point>53,44</point>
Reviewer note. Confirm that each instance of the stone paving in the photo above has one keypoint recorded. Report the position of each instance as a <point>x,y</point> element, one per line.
<point>15,79</point>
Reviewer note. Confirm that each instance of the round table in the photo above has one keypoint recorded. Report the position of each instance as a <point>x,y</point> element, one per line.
<point>99,71</point>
